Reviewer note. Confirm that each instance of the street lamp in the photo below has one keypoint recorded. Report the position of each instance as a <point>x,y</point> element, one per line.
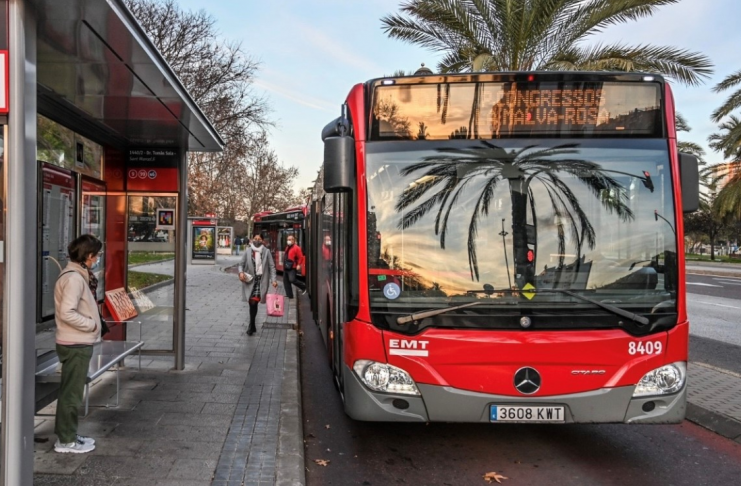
<point>656,218</point>
<point>504,246</point>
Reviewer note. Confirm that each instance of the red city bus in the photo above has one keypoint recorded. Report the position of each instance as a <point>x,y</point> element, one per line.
<point>495,252</point>
<point>275,229</point>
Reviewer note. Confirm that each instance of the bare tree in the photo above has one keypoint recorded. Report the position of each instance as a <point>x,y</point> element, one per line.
<point>219,75</point>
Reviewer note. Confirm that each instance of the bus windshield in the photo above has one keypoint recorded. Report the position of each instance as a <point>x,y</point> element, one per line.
<point>454,221</point>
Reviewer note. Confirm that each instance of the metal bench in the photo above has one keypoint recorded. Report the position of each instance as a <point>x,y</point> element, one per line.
<point>106,354</point>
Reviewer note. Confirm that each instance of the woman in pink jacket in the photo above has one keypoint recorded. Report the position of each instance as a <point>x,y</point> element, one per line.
<point>78,329</point>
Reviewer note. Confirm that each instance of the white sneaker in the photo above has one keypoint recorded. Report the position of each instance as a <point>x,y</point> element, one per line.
<point>75,447</point>
<point>85,439</point>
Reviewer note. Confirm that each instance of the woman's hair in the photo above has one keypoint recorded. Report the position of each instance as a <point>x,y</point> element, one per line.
<point>257,234</point>
<point>82,246</point>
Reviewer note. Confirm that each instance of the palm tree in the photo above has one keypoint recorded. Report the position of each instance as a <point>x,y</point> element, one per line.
<point>691,148</point>
<point>728,142</point>
<point>452,170</point>
<point>525,35</point>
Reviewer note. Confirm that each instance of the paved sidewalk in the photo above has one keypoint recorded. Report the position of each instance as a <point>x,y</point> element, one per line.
<point>232,417</point>
<point>714,399</point>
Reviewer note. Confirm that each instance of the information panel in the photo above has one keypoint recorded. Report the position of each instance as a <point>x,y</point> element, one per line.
<point>151,169</point>
<point>57,229</point>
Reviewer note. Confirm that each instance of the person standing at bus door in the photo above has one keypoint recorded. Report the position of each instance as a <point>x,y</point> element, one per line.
<point>293,257</point>
<point>256,271</point>
<point>78,329</point>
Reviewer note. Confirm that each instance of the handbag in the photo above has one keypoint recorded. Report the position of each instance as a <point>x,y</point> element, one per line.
<point>288,264</point>
<point>275,305</point>
<point>104,329</point>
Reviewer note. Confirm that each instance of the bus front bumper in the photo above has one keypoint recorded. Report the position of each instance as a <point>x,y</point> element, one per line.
<point>447,404</point>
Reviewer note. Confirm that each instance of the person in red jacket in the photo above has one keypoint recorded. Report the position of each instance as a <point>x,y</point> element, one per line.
<point>293,258</point>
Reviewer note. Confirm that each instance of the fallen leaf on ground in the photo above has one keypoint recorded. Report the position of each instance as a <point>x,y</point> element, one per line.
<point>326,426</point>
<point>322,462</point>
<point>490,477</point>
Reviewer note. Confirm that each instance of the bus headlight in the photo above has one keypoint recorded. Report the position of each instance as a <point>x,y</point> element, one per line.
<point>385,378</point>
<point>662,381</point>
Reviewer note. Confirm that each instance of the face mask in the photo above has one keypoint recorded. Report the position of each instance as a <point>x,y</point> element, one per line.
<point>257,243</point>
<point>290,243</point>
<point>95,265</point>
<point>327,243</point>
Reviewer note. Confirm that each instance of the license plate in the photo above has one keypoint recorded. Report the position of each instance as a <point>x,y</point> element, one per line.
<point>522,413</point>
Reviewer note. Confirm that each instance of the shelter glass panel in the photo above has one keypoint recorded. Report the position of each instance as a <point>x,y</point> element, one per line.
<point>60,146</point>
<point>93,223</point>
<point>151,271</point>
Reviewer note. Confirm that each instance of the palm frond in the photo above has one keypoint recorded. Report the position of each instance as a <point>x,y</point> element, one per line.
<point>728,82</point>
<point>728,201</point>
<point>733,102</point>
<point>680,123</point>
<point>682,65</point>
<point>728,140</point>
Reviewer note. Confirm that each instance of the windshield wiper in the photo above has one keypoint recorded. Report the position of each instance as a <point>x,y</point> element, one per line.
<point>435,312</point>
<point>608,307</point>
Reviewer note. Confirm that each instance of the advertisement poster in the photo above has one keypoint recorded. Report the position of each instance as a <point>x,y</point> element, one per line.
<point>165,219</point>
<point>204,244</point>
<point>224,240</point>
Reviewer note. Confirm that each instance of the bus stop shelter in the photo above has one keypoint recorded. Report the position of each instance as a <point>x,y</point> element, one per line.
<point>96,130</point>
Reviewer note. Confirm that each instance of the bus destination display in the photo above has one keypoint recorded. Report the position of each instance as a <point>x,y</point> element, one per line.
<point>496,110</point>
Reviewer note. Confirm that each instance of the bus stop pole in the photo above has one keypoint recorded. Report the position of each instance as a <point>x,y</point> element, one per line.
<point>181,261</point>
<point>19,323</point>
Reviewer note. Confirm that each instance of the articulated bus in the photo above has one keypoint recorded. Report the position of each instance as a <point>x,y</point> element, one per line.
<point>275,228</point>
<point>504,247</point>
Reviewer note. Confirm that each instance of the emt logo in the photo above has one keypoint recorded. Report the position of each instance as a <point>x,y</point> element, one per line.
<point>408,347</point>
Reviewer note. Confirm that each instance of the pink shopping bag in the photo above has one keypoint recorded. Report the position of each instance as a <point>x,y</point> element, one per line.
<point>275,305</point>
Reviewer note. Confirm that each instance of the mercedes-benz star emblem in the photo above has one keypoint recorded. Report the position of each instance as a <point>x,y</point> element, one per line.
<point>527,381</point>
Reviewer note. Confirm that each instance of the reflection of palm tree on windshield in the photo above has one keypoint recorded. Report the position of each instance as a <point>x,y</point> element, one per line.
<point>455,171</point>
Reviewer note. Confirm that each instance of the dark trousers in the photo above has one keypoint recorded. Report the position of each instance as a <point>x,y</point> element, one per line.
<point>289,277</point>
<point>253,314</point>
<point>75,363</point>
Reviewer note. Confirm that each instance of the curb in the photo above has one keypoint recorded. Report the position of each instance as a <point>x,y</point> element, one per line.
<point>714,422</point>
<point>289,464</point>
<point>151,263</point>
<point>712,273</point>
<point>156,286</point>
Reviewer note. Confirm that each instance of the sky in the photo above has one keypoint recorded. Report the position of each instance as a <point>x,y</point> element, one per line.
<point>312,52</point>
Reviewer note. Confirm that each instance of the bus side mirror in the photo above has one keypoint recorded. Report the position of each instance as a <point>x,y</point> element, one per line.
<point>339,164</point>
<point>690,177</point>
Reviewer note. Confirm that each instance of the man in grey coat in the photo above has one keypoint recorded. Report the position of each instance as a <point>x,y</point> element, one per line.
<point>256,271</point>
